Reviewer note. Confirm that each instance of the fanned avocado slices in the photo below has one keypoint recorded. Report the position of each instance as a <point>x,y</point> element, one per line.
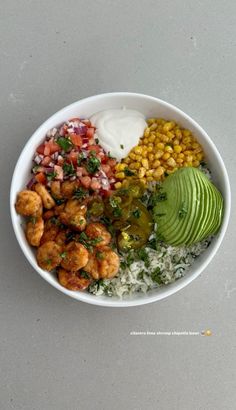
<point>191,208</point>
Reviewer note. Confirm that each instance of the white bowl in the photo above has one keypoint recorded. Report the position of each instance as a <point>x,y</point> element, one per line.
<point>150,107</point>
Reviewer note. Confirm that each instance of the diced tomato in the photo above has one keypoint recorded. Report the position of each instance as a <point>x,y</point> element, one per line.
<point>46,149</point>
<point>76,140</point>
<point>40,149</point>
<point>95,148</point>
<point>46,161</point>
<point>85,181</point>
<point>40,177</point>
<point>111,162</point>
<point>106,168</point>
<point>95,184</point>
<point>73,157</point>
<point>90,132</point>
<point>54,147</point>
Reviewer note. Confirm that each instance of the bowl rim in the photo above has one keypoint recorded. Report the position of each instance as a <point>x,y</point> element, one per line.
<point>166,291</point>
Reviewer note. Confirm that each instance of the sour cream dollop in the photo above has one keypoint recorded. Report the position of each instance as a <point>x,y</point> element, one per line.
<point>118,130</point>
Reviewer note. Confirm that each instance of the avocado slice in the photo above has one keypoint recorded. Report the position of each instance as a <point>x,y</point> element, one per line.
<point>192,208</point>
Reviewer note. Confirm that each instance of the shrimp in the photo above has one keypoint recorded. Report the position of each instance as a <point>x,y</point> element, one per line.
<point>61,238</point>
<point>28,203</point>
<point>73,280</point>
<point>34,231</point>
<point>74,206</point>
<point>51,230</point>
<point>49,255</point>
<point>74,215</point>
<point>75,257</point>
<point>68,188</point>
<point>56,189</point>
<point>98,231</point>
<point>47,199</point>
<point>104,263</point>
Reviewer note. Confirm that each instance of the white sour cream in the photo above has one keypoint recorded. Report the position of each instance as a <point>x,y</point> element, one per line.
<point>118,130</point>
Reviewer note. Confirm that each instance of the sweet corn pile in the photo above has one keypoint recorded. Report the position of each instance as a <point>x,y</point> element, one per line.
<point>164,148</point>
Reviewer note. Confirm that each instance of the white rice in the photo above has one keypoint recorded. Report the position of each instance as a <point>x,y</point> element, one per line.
<point>173,263</point>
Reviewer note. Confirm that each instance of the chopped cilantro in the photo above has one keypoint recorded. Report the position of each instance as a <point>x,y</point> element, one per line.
<point>97,140</point>
<point>80,193</point>
<point>64,143</point>
<point>81,158</point>
<point>63,255</point>
<point>51,175</point>
<point>143,255</point>
<point>93,164</point>
<point>156,276</point>
<point>69,169</point>
<point>121,146</point>
<point>128,172</point>
<point>33,219</point>
<point>84,274</point>
<point>99,255</point>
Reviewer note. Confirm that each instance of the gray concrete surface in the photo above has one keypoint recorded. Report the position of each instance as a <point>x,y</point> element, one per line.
<point>57,353</point>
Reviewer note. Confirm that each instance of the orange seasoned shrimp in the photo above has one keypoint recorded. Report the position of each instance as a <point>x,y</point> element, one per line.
<point>75,257</point>
<point>34,230</point>
<point>75,221</point>
<point>68,188</point>
<point>49,255</point>
<point>103,263</point>
<point>73,280</point>
<point>47,199</point>
<point>74,206</point>
<point>56,189</point>
<point>61,238</point>
<point>51,230</point>
<point>28,203</point>
<point>97,230</point>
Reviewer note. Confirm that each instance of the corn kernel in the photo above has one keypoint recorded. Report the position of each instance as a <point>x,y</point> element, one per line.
<point>151,120</point>
<point>132,155</point>
<point>151,138</point>
<point>178,134</point>
<point>176,141</point>
<point>132,165</point>
<point>158,172</point>
<point>138,149</point>
<point>160,146</point>
<point>166,156</point>
<point>153,126</point>
<point>143,180</point>
<point>164,138</point>
<point>159,154</point>
<point>171,162</point>
<point>120,167</point>
<point>197,150</point>
<point>145,163</point>
<point>149,173</point>
<point>145,141</point>
<point>196,163</point>
<point>156,163</point>
<point>147,132</point>
<point>151,157</point>
<point>170,135</point>
<point>181,155</point>
<point>189,158</point>
<point>177,148</point>
<point>183,147</point>
<point>179,160</point>
<point>149,148</point>
<point>169,149</point>
<point>139,158</point>
<point>120,175</point>
<point>150,179</point>
<point>141,172</point>
<point>168,126</point>
<point>118,185</point>
<point>127,160</point>
<point>186,133</point>
<point>186,140</point>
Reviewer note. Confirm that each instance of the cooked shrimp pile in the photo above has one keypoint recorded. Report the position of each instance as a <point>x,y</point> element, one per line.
<point>67,239</point>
